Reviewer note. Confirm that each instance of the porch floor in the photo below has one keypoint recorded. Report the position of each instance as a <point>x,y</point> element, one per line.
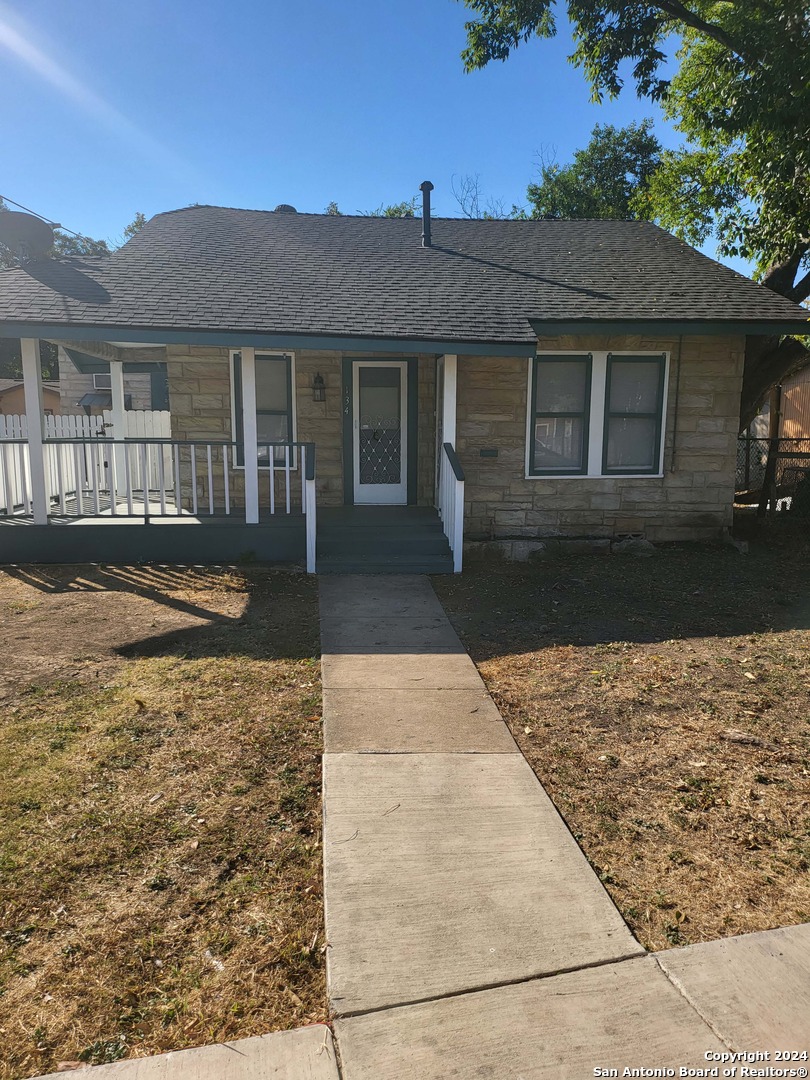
<point>170,517</point>
<point>382,540</point>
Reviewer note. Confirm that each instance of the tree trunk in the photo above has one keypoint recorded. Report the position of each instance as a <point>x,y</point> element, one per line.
<point>768,361</point>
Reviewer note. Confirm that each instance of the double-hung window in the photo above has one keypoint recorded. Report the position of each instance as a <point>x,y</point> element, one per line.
<point>596,414</point>
<point>634,405</point>
<point>562,393</point>
<point>274,406</point>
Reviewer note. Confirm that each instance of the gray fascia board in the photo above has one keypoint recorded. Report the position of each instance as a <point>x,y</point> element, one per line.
<point>239,338</point>
<point>662,327</point>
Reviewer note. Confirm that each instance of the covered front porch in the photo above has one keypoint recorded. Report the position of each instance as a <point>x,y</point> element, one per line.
<point>238,481</point>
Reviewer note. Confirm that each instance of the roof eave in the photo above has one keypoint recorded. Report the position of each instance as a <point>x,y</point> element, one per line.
<point>235,339</point>
<point>664,327</point>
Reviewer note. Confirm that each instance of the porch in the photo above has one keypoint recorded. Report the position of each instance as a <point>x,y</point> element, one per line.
<point>241,497</point>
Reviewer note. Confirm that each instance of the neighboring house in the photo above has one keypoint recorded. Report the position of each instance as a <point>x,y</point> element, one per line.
<point>517,380</point>
<point>794,410</point>
<point>12,398</point>
<point>89,392</point>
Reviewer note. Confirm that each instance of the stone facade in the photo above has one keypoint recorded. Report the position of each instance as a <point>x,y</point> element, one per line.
<point>200,403</point>
<point>693,499</point>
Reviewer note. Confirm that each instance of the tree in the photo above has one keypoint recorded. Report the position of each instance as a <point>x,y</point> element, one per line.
<point>467,193</point>
<point>605,179</point>
<point>406,209</point>
<point>135,225</point>
<point>11,359</point>
<point>741,98</point>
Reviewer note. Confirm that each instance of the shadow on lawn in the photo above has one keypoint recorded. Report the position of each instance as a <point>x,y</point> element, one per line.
<point>279,620</point>
<point>680,592</point>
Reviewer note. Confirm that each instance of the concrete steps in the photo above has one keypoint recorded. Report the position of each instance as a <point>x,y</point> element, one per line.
<point>382,540</point>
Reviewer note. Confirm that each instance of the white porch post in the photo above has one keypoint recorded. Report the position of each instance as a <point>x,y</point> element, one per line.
<point>449,399</point>
<point>251,436</point>
<point>119,422</point>
<point>35,418</point>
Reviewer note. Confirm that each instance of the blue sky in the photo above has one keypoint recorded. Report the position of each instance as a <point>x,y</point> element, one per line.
<point>110,108</point>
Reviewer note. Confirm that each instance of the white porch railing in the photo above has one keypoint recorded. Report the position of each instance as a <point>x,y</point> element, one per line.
<point>451,502</point>
<point>95,477</point>
<point>65,464</point>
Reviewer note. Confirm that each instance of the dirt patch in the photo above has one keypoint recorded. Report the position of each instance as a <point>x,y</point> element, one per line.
<point>665,705</point>
<point>160,861</point>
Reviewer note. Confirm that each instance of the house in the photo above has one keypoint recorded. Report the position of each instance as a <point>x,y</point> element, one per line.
<point>377,393</point>
<point>88,391</point>
<point>12,398</point>
<point>794,410</point>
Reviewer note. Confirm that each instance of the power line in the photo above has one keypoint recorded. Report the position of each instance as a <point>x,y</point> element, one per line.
<point>47,221</point>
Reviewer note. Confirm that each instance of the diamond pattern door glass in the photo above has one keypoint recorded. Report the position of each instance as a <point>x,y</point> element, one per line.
<point>380,412</point>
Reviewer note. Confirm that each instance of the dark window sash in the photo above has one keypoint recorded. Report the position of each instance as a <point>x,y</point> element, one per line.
<point>657,416</point>
<point>278,455</point>
<point>566,358</point>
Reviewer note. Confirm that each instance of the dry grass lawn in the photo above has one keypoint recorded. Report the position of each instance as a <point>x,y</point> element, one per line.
<point>160,862</point>
<point>665,705</point>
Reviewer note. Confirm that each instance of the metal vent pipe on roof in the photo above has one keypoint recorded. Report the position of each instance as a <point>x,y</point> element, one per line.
<point>426,187</point>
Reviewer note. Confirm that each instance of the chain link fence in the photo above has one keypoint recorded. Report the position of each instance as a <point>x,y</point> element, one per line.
<point>774,474</point>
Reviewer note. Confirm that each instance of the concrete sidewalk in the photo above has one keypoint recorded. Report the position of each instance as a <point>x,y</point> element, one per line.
<point>305,1054</point>
<point>468,935</point>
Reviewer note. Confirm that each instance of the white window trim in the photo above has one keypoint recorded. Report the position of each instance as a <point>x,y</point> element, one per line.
<point>596,425</point>
<point>105,375</point>
<point>294,404</point>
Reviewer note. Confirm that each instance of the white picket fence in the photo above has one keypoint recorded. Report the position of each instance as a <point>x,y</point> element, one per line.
<point>77,467</point>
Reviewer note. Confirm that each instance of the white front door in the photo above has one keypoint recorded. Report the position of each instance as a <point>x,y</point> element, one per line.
<point>380,435</point>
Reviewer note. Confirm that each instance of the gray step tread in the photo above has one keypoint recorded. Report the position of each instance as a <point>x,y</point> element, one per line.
<point>435,565</point>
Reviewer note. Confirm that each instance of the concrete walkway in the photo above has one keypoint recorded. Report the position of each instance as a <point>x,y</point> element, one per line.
<point>468,935</point>
<point>305,1054</point>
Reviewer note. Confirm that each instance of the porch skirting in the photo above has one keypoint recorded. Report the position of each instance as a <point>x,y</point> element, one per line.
<point>161,541</point>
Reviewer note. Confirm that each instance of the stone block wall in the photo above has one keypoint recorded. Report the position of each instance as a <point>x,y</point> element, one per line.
<point>200,403</point>
<point>694,498</point>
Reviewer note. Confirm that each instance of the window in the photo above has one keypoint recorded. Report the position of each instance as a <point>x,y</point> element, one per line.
<point>274,406</point>
<point>102,382</point>
<point>633,413</point>
<point>562,390</point>
<point>596,414</point>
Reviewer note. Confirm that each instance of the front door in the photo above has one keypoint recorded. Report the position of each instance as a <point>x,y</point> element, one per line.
<point>380,434</point>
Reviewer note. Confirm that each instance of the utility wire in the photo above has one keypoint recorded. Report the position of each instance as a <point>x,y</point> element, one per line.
<point>47,221</point>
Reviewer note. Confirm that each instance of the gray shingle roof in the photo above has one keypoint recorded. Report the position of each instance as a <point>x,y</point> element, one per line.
<point>214,268</point>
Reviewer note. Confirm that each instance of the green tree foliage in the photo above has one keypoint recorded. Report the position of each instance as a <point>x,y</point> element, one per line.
<point>405,209</point>
<point>740,96</point>
<point>71,245</point>
<point>135,225</point>
<point>11,359</point>
<point>605,179</point>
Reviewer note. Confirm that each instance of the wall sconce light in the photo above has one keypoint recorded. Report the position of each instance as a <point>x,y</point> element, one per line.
<point>318,388</point>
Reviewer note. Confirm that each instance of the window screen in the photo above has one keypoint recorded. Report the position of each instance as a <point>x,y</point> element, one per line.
<point>634,402</point>
<point>273,406</point>
<point>561,406</point>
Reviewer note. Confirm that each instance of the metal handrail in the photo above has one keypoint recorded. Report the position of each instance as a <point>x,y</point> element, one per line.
<point>93,440</point>
<point>309,472</point>
<point>452,457</point>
